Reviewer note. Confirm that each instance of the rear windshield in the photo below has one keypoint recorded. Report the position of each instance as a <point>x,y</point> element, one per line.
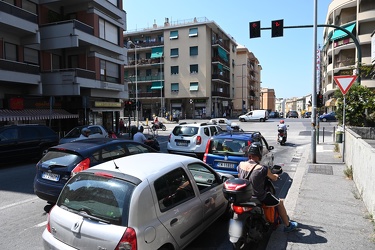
<point>97,197</point>
<point>185,131</point>
<point>74,133</point>
<point>221,146</point>
<point>60,158</point>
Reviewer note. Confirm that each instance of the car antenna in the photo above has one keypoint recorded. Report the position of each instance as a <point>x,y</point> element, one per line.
<point>116,167</point>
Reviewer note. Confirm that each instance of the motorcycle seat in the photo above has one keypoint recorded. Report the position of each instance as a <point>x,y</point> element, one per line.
<point>251,203</point>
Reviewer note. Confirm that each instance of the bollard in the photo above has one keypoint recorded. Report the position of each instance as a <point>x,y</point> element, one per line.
<point>323,134</point>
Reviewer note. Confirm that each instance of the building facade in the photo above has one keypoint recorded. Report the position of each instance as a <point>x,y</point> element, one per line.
<point>268,99</point>
<point>62,56</point>
<point>186,68</point>
<point>340,55</point>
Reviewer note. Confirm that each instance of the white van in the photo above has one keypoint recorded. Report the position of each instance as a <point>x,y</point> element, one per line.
<point>254,115</point>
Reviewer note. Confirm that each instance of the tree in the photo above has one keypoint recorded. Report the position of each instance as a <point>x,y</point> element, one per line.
<point>360,106</point>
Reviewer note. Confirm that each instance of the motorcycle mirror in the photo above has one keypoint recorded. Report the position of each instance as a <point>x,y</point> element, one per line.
<point>276,169</point>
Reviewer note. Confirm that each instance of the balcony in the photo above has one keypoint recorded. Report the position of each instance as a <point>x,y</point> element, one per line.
<point>72,33</point>
<point>219,94</point>
<point>153,94</point>
<point>11,71</point>
<point>156,77</point>
<point>143,62</point>
<point>220,78</point>
<point>220,60</point>
<point>366,16</point>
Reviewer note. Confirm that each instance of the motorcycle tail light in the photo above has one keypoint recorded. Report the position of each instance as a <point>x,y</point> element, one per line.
<point>240,210</point>
<point>83,165</point>
<point>199,140</point>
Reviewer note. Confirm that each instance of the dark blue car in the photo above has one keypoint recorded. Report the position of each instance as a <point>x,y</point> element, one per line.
<point>226,150</point>
<point>328,117</point>
<point>65,160</point>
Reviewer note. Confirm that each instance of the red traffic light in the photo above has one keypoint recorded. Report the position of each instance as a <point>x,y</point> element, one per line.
<point>277,28</point>
<point>254,29</point>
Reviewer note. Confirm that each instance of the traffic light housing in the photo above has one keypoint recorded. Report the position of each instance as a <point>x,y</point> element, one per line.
<point>254,29</point>
<point>319,100</point>
<point>277,28</point>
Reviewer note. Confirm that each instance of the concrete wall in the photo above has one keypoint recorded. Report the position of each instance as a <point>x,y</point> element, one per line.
<point>364,132</point>
<point>361,157</point>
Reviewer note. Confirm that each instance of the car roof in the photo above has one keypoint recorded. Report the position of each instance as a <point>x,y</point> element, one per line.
<point>146,165</point>
<point>196,124</point>
<point>87,146</point>
<point>237,135</point>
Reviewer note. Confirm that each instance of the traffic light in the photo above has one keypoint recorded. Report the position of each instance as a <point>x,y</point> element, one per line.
<point>133,104</point>
<point>254,29</point>
<point>277,28</point>
<point>319,100</point>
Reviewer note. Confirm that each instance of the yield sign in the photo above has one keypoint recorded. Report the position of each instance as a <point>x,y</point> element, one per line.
<point>344,82</point>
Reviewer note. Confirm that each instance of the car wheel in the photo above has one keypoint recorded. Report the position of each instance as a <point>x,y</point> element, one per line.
<point>242,120</point>
<point>164,128</point>
<point>262,120</point>
<point>324,119</point>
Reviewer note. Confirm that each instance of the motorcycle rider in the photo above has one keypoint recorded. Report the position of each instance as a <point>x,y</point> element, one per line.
<point>256,173</point>
<point>282,127</point>
<point>140,137</point>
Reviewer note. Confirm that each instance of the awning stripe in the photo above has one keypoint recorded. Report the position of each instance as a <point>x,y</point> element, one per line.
<point>34,114</point>
<point>339,34</point>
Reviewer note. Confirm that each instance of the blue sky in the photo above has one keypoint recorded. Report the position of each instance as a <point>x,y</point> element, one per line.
<point>287,61</point>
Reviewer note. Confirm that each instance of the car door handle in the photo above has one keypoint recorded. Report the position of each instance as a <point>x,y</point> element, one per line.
<point>173,221</point>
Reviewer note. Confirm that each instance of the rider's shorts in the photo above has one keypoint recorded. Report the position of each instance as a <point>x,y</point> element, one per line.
<point>270,200</point>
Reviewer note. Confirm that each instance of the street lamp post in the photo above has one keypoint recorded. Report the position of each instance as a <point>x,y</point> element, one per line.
<point>136,80</point>
<point>243,102</point>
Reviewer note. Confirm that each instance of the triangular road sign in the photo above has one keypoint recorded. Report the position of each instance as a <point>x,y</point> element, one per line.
<point>344,82</point>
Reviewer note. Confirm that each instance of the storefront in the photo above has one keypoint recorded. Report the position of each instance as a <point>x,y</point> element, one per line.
<point>105,113</point>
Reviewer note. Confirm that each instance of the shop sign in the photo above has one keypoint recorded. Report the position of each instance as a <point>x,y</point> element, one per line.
<point>107,104</point>
<point>16,103</point>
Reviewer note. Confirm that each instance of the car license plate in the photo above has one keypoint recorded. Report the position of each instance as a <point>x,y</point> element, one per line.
<point>225,165</point>
<point>182,143</point>
<point>50,176</point>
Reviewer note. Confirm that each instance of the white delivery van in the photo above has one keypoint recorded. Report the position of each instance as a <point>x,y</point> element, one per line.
<point>254,115</point>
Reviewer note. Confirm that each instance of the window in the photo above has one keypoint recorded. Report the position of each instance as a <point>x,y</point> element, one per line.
<point>194,86</point>
<point>73,61</point>
<point>193,68</point>
<point>174,87</point>
<point>174,70</point>
<point>204,177</point>
<point>56,61</point>
<point>193,32</point>
<point>194,51</point>
<point>173,34</point>
<point>174,52</point>
<point>29,6</point>
<point>173,189</point>
<point>31,56</point>
<point>109,71</point>
<point>10,51</point>
<point>108,31</point>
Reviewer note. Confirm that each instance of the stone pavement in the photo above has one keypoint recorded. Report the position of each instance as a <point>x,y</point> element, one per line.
<point>327,206</point>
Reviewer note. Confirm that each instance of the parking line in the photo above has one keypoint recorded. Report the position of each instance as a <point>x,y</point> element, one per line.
<point>18,203</point>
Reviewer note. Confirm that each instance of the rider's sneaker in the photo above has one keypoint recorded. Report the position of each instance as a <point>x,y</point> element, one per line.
<point>292,226</point>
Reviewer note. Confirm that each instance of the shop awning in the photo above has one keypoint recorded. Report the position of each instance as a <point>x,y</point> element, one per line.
<point>157,85</point>
<point>34,114</point>
<point>156,52</point>
<point>339,34</point>
<point>222,54</point>
<point>330,102</point>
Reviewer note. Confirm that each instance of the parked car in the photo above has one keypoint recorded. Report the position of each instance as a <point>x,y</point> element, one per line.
<point>25,141</point>
<point>142,202</point>
<point>191,138</point>
<point>65,160</point>
<point>226,150</point>
<point>307,115</point>
<point>328,117</point>
<point>292,114</point>
<point>255,115</point>
<point>96,131</point>
<point>273,114</point>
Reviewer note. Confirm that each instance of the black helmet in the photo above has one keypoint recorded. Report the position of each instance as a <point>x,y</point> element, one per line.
<point>85,131</point>
<point>140,129</point>
<point>255,149</point>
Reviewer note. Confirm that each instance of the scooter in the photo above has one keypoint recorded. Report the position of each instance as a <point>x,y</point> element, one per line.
<point>282,136</point>
<point>158,125</point>
<point>251,220</point>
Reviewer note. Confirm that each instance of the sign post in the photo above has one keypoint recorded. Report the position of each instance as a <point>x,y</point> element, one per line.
<point>344,83</point>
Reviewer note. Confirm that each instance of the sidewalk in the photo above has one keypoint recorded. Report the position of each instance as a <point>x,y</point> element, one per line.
<point>326,205</point>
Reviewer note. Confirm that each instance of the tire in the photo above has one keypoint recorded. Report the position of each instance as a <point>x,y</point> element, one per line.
<point>164,128</point>
<point>242,120</point>
<point>262,120</point>
<point>324,119</point>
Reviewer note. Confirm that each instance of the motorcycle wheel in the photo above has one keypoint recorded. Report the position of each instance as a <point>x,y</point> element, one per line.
<point>164,128</point>
<point>154,128</point>
<point>245,242</point>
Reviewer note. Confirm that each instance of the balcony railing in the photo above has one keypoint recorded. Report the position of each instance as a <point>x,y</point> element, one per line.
<point>19,67</point>
<point>144,61</point>
<point>220,77</point>
<point>18,12</point>
<point>217,41</point>
<point>221,60</point>
<point>147,78</point>
<point>153,94</point>
<point>221,94</point>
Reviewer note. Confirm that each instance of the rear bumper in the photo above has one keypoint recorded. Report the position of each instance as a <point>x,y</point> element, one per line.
<point>192,154</point>
<point>46,192</point>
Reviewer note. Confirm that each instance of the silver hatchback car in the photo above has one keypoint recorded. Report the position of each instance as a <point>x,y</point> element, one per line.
<point>146,201</point>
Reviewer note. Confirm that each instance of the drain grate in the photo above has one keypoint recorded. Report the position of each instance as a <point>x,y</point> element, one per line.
<point>320,169</point>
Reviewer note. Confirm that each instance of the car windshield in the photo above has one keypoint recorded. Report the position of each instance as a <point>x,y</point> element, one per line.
<point>185,131</point>
<point>97,197</point>
<point>74,133</point>
<point>221,146</point>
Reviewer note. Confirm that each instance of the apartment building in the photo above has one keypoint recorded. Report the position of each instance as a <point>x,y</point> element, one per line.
<point>268,99</point>
<point>247,81</point>
<point>62,60</point>
<point>340,54</point>
<point>187,68</point>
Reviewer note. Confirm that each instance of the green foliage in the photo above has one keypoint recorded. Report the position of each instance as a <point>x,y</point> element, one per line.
<point>358,99</point>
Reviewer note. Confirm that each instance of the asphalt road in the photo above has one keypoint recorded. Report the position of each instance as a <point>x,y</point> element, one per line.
<point>23,215</point>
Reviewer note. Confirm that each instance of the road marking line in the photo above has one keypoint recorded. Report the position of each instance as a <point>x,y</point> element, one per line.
<point>18,203</point>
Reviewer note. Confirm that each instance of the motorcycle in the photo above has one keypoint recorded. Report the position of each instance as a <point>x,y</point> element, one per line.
<point>251,220</point>
<point>281,136</point>
<point>158,125</point>
<point>153,143</point>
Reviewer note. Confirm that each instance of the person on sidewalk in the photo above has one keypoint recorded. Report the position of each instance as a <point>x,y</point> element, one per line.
<point>256,173</point>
